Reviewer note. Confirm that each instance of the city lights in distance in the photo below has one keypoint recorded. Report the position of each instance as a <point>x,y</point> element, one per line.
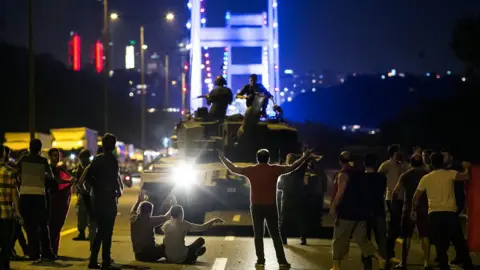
<point>314,89</point>
<point>189,25</point>
<point>427,74</point>
<point>464,79</point>
<point>203,21</point>
<point>171,110</point>
<point>144,46</point>
<point>383,77</point>
<point>288,71</point>
<point>289,99</point>
<point>189,5</point>
<point>151,110</point>
<point>170,16</point>
<point>438,76</point>
<point>131,94</point>
<point>174,82</point>
<point>449,72</point>
<point>114,16</point>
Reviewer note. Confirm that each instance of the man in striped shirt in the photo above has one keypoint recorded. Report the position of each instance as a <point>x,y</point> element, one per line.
<point>9,210</point>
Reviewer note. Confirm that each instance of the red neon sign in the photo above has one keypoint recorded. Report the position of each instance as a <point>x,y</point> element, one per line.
<point>76,49</point>
<point>98,56</point>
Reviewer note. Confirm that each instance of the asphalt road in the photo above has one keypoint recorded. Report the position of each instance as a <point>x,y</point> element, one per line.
<point>228,248</point>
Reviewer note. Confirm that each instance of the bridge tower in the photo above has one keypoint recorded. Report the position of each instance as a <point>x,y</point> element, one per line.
<point>241,30</point>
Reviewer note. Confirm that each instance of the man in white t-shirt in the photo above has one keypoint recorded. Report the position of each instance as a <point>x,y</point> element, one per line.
<point>392,169</point>
<point>442,208</point>
<point>175,231</point>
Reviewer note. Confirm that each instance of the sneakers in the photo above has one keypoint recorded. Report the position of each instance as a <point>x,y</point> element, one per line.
<point>201,251</point>
<point>260,264</point>
<point>81,237</point>
<point>94,265</point>
<point>303,241</point>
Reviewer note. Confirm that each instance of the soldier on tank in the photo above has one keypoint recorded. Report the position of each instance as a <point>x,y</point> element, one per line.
<point>220,97</point>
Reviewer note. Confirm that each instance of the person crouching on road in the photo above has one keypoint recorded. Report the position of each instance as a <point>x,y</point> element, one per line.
<point>142,230</point>
<point>60,197</point>
<point>175,231</point>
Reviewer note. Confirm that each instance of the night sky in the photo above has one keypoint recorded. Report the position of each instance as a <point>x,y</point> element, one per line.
<point>342,35</point>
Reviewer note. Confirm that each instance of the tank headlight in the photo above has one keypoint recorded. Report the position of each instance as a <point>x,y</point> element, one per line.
<point>184,175</point>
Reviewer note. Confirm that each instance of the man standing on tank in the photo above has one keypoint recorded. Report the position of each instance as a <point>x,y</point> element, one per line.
<point>102,176</point>
<point>220,97</point>
<point>253,88</point>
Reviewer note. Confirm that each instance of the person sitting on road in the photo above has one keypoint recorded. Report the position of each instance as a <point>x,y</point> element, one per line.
<point>142,227</point>
<point>175,231</point>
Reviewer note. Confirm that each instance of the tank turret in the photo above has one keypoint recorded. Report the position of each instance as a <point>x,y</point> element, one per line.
<point>238,136</point>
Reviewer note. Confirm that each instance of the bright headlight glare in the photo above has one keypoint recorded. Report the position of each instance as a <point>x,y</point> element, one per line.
<point>184,174</point>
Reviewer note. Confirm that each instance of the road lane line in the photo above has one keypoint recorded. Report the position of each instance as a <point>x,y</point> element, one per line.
<point>236,218</point>
<point>220,264</point>
<point>67,232</point>
<point>229,238</point>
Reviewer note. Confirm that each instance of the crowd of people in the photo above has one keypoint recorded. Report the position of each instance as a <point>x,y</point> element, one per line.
<point>36,193</point>
<point>426,192</point>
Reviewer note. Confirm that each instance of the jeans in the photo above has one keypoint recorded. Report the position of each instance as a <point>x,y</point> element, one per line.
<point>293,213</point>
<point>445,228</point>
<point>378,226</point>
<point>82,214</point>
<point>153,254</point>
<point>193,249</point>
<point>104,212</point>
<point>260,214</point>
<point>35,216</point>
<point>395,208</point>
<point>59,206</point>
<point>92,226</point>
<point>18,235</point>
<point>6,240</point>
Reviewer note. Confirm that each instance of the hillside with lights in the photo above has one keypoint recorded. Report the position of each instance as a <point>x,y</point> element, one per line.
<point>355,100</point>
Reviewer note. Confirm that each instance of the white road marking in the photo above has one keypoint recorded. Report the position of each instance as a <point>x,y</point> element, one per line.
<point>229,238</point>
<point>67,232</point>
<point>220,264</point>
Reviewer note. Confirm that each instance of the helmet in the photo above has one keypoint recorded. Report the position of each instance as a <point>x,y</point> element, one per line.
<point>220,81</point>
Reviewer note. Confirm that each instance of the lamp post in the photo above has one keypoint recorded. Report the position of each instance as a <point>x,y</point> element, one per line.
<point>106,69</point>
<point>143,87</point>
<point>166,80</point>
<point>31,72</point>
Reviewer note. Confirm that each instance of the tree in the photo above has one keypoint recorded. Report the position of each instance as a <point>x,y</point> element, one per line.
<point>466,41</point>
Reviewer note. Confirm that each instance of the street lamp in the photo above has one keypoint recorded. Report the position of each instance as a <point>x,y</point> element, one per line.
<point>114,16</point>
<point>31,73</point>
<point>170,16</point>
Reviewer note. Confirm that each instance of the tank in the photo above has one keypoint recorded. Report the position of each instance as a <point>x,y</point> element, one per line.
<point>196,179</point>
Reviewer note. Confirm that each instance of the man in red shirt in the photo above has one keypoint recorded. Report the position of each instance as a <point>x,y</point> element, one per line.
<point>263,178</point>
